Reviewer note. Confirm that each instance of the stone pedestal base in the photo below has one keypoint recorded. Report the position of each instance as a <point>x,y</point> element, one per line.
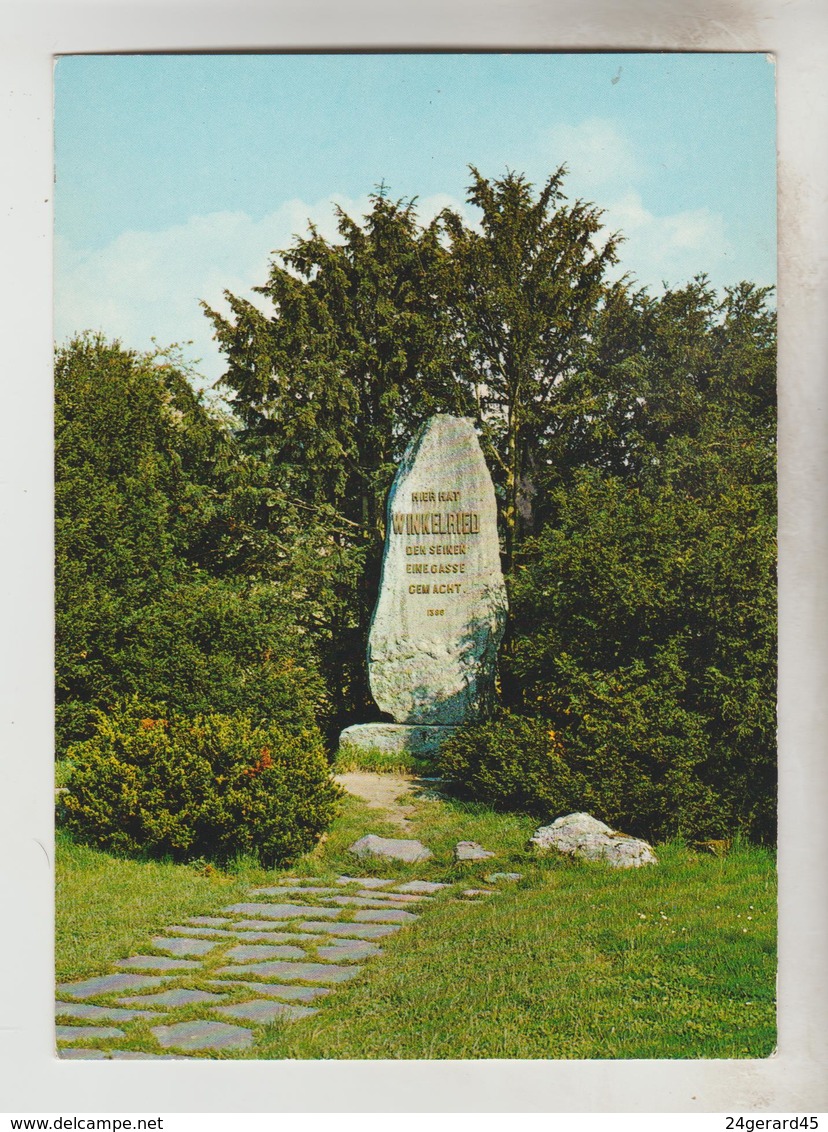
<point>395,738</point>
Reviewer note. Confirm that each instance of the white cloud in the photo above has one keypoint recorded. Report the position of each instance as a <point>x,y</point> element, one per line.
<point>594,151</point>
<point>146,285</point>
<point>605,166</point>
<point>671,248</point>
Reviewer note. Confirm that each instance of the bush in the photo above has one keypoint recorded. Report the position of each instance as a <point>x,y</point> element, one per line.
<point>165,569</point>
<point>643,629</point>
<point>512,763</point>
<point>206,646</point>
<point>211,646</point>
<point>212,787</point>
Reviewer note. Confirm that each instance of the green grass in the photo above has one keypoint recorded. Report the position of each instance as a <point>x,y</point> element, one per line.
<point>106,906</point>
<point>382,762</point>
<point>574,961</point>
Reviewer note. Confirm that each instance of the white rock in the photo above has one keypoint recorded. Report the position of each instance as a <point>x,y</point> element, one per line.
<point>471,851</point>
<point>398,849</point>
<point>581,835</point>
<point>441,610</point>
<point>393,738</point>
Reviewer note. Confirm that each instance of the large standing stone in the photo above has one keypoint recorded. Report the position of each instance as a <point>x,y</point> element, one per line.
<point>441,611</point>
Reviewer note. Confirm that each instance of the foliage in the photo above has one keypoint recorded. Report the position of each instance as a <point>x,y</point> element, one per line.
<point>209,646</point>
<point>513,763</point>
<point>631,438</point>
<point>525,289</point>
<point>330,386</point>
<point>646,635</point>
<point>212,786</point>
<point>156,542</point>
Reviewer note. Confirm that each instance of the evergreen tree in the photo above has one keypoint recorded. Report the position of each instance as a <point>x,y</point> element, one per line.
<point>329,388</point>
<point>524,292</point>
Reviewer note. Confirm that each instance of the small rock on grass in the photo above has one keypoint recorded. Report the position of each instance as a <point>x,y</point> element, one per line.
<point>493,878</point>
<point>581,835</point>
<point>470,851</point>
<point>393,848</point>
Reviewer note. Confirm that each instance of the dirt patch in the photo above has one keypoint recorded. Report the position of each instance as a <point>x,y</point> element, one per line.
<point>385,792</point>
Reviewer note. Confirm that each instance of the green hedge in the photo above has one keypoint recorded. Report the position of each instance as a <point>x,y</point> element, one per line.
<point>212,787</point>
<point>514,763</point>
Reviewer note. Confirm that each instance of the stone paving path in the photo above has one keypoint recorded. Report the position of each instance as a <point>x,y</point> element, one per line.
<point>205,984</point>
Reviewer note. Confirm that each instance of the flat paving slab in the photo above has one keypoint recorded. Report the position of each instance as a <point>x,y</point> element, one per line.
<point>367,901</point>
<point>179,996</point>
<point>249,930</point>
<point>358,931</point>
<point>110,984</point>
<point>274,990</point>
<point>203,1035</point>
<point>98,1013</point>
<point>348,949</point>
<point>471,851</point>
<point>208,921</point>
<point>262,1011</point>
<point>183,946</point>
<point>244,952</point>
<point>302,972</point>
<point>421,886</point>
<point>392,898</point>
<point>378,916</point>
<point>301,880</point>
<point>290,890</point>
<point>76,1053</point>
<point>157,963</point>
<point>281,911</point>
<point>243,934</point>
<point>73,1033</point>
<point>137,1055</point>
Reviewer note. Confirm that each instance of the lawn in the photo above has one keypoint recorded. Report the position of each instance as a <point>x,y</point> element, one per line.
<point>572,961</point>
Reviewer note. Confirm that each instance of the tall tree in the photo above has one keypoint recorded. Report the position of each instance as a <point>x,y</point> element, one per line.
<point>524,293</point>
<point>158,544</point>
<point>644,615</point>
<point>329,386</point>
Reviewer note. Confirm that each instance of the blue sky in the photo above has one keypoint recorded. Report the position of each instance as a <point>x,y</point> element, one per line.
<point>177,176</point>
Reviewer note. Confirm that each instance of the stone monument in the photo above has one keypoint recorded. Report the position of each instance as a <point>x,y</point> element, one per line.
<point>441,610</point>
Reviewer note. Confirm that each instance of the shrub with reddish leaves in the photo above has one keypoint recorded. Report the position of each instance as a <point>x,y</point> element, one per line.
<point>209,787</point>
